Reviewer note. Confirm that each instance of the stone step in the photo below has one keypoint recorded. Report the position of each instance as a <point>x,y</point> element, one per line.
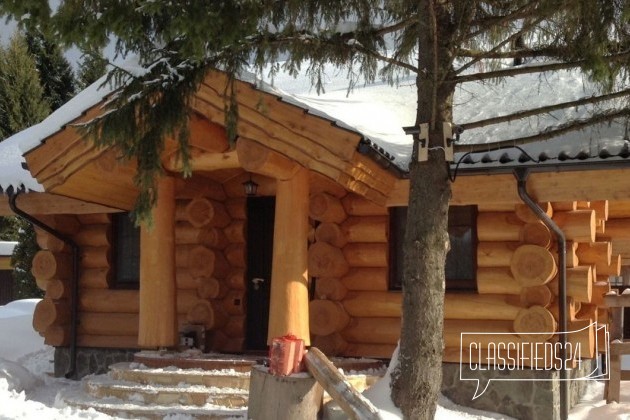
<point>125,409</point>
<point>104,386</point>
<point>141,374</point>
<point>196,360</point>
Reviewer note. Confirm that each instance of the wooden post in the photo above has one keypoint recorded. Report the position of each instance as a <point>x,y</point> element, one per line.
<point>289,277</point>
<point>158,293</point>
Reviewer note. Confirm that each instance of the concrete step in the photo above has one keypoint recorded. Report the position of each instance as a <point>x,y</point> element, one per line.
<point>141,374</point>
<point>104,386</point>
<point>126,409</point>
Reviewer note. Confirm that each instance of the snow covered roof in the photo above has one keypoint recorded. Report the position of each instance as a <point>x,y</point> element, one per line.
<point>6,248</point>
<point>378,111</point>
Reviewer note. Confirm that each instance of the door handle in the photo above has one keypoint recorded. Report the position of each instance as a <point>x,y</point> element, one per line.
<point>257,281</point>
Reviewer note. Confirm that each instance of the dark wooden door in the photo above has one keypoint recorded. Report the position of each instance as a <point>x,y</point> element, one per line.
<point>260,220</point>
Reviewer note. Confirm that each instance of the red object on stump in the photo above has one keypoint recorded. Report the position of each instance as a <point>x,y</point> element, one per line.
<point>285,355</point>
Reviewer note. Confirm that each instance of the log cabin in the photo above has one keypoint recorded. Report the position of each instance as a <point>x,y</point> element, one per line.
<point>297,229</point>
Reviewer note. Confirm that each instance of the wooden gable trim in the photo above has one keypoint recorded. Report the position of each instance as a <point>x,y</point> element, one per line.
<point>599,184</point>
<point>46,203</point>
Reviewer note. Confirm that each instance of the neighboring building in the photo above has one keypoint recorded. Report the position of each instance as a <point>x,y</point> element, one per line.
<point>331,191</point>
<point>6,272</point>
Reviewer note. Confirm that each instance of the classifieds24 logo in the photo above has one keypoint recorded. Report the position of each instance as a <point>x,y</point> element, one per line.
<point>484,352</point>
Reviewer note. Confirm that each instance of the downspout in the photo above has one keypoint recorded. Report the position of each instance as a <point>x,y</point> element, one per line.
<point>74,285</point>
<point>521,176</point>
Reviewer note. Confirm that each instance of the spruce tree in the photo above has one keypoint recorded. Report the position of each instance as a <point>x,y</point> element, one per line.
<point>92,68</point>
<point>22,104</point>
<point>442,43</point>
<point>55,73</point>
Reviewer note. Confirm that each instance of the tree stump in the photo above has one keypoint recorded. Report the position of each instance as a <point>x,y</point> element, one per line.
<point>288,397</point>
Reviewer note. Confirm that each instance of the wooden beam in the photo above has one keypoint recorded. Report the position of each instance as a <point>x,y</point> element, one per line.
<point>542,186</point>
<point>5,263</point>
<point>158,294</point>
<point>259,159</point>
<point>289,277</point>
<point>204,161</point>
<point>47,203</point>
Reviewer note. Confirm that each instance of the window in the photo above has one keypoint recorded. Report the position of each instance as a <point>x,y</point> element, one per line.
<point>461,261</point>
<point>126,252</point>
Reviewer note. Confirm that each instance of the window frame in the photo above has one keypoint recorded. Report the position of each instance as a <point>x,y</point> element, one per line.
<point>459,216</point>
<point>119,281</point>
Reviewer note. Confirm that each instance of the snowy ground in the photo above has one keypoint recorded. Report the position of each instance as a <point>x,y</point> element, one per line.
<point>28,391</point>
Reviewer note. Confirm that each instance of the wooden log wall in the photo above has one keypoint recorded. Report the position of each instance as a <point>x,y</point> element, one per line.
<point>211,260</point>
<point>354,314</point>
<point>210,276</point>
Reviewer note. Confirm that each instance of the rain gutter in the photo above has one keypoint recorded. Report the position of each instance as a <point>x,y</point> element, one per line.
<point>521,176</point>
<point>72,370</point>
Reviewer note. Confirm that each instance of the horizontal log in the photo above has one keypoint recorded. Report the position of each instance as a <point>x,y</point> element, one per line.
<point>579,283</point>
<point>95,257</point>
<point>355,205</point>
<point>600,289</point>
<point>94,323</point>
<point>330,345</point>
<point>201,212</point>
<point>235,231</point>
<point>236,255</point>
<point>48,265</point>
<point>234,303</point>
<point>326,317</point>
<point>535,323</point>
<point>373,304</point>
<point>474,306</point>
<point>235,326</point>
<point>498,226</point>
<point>366,229</point>
<point>366,254</point>
<point>330,233</point>
<point>497,280</point>
<point>372,331</point>
<point>198,186</point>
<point>50,312</point>
<point>49,242</point>
<point>108,341</point>
<point>58,289</point>
<point>601,209</point>
<point>578,225</point>
<point>236,207</point>
<point>108,301</point>
<point>618,209</point>
<point>588,311</point>
<point>211,288</point>
<point>366,279</point>
<point>258,158</point>
<point>51,204</point>
<point>236,279</point>
<point>593,252</point>
<point>564,205</point>
<point>583,334</point>
<point>184,280</point>
<point>94,235</point>
<point>612,269</point>
<point>324,207</point>
<point>536,234</point>
<point>324,260</point>
<point>524,213</point>
<point>536,295</point>
<point>330,288</point>
<point>617,229</point>
<point>67,224</point>
<point>94,278</point>
<point>201,261</point>
<point>495,254</point>
<point>185,300</point>
<point>210,315</point>
<point>212,237</point>
<point>573,306</point>
<point>481,332</point>
<point>57,335</point>
<point>532,265</point>
<point>234,186</point>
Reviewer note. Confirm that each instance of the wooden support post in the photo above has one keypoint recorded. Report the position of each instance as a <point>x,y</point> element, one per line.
<point>158,293</point>
<point>289,277</point>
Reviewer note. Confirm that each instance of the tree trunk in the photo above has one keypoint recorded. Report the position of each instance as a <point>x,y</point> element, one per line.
<point>417,380</point>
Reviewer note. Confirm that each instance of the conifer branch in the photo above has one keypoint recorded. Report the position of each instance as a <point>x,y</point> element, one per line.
<point>545,109</point>
<point>540,68</point>
<point>489,22</point>
<point>547,134</point>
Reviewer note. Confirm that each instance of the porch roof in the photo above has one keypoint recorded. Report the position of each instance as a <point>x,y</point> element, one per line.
<point>376,112</point>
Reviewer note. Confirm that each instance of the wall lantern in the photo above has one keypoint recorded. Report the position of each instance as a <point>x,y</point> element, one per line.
<point>251,188</point>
